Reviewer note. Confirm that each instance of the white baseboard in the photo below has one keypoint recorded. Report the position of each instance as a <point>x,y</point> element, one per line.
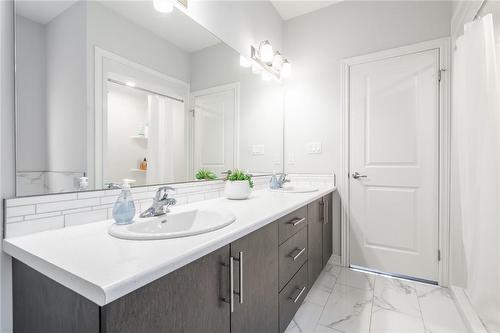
<point>469,316</point>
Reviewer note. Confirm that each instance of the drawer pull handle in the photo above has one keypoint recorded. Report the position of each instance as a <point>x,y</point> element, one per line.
<point>295,257</point>
<point>297,221</point>
<point>296,298</point>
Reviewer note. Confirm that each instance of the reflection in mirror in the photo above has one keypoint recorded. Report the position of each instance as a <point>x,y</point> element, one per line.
<point>113,90</point>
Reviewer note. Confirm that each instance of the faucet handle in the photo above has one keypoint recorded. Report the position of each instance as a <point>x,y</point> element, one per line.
<point>162,193</point>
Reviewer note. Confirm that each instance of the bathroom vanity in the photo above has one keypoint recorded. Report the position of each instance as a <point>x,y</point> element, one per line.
<point>250,276</point>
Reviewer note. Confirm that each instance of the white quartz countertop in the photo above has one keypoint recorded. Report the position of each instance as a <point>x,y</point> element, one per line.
<point>102,268</point>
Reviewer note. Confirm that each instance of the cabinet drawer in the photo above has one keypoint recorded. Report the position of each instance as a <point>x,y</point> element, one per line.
<point>292,296</point>
<point>292,255</point>
<point>290,224</point>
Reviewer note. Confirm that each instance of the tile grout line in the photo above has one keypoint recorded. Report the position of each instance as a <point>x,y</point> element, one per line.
<point>373,301</point>
<point>420,308</point>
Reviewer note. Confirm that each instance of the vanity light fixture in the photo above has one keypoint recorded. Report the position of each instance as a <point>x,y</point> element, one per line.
<point>267,63</point>
<point>163,6</point>
<point>245,62</point>
<point>286,69</point>
<point>266,52</point>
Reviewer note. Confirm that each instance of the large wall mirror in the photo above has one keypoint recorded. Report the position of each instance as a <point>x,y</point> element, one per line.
<point>113,90</point>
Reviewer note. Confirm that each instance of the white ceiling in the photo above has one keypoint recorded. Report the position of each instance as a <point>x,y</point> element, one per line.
<point>293,8</point>
<point>42,11</point>
<point>175,27</point>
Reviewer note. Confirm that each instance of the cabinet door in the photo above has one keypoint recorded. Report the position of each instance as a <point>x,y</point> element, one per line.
<point>259,310</point>
<point>188,300</point>
<point>315,239</point>
<point>327,228</point>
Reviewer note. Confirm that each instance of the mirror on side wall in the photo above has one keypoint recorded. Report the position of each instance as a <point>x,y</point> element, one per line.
<point>113,90</point>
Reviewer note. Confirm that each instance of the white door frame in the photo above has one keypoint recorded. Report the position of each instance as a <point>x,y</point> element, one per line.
<point>443,45</point>
<point>236,121</point>
<point>96,123</point>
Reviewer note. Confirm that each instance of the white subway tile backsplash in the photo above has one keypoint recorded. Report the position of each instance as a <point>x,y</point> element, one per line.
<point>38,213</point>
<point>41,216</point>
<point>30,227</point>
<point>64,205</point>
<point>90,194</point>
<point>85,217</point>
<point>40,199</point>
<point>15,219</point>
<point>20,210</point>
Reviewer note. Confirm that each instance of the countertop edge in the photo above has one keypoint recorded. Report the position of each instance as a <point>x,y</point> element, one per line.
<point>106,294</point>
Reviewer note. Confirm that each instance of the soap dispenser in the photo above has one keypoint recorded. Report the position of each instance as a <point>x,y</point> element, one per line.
<point>124,207</point>
<point>273,183</point>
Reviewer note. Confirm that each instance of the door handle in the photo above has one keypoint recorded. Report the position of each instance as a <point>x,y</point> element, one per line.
<point>326,215</point>
<point>357,175</point>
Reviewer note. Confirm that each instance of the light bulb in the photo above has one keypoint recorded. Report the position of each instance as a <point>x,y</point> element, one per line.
<point>163,6</point>
<point>286,69</point>
<point>244,62</point>
<point>277,61</point>
<point>266,76</point>
<point>266,52</point>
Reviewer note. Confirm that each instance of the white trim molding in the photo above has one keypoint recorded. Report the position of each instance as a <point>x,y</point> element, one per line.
<point>443,45</point>
<point>469,316</point>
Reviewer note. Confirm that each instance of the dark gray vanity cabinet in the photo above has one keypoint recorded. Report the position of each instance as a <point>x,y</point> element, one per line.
<point>259,310</point>
<point>327,228</point>
<point>190,299</point>
<point>319,234</point>
<point>315,239</point>
<point>255,284</point>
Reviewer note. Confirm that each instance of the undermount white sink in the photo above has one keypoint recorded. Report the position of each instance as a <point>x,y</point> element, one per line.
<point>175,224</point>
<point>296,189</point>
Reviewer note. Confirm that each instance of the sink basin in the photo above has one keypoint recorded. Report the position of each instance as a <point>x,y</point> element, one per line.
<point>296,189</point>
<point>174,224</point>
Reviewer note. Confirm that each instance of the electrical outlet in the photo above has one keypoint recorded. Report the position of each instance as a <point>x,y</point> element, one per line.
<point>314,148</point>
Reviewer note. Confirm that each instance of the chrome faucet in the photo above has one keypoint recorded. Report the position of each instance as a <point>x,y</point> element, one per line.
<point>282,180</point>
<point>161,203</point>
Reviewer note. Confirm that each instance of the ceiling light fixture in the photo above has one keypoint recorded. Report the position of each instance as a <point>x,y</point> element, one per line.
<point>264,60</point>
<point>163,6</point>
<point>130,83</point>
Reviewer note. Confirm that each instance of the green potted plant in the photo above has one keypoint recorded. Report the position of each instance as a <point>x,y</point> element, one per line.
<point>238,186</point>
<point>205,174</point>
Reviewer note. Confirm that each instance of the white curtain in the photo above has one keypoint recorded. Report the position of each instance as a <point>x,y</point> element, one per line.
<point>161,141</point>
<point>476,127</point>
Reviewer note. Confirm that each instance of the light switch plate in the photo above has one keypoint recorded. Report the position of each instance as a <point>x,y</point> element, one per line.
<point>257,150</point>
<point>291,158</point>
<point>314,148</point>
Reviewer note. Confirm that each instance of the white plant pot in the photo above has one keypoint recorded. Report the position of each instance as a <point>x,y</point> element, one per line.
<point>237,189</point>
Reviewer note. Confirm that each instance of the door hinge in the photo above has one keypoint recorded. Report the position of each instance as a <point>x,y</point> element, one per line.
<point>192,112</point>
<point>439,255</point>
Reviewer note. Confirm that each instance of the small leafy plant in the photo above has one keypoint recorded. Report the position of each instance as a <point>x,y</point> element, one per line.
<point>240,175</point>
<point>205,174</point>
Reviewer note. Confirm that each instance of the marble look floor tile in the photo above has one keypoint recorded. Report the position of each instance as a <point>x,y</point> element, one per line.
<point>438,309</point>
<point>356,279</point>
<point>324,329</point>
<point>348,309</point>
<point>306,318</point>
<point>318,294</point>
<point>396,295</point>
<point>387,321</point>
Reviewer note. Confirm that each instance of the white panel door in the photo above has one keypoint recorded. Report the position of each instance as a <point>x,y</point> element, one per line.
<point>394,119</point>
<point>214,130</point>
